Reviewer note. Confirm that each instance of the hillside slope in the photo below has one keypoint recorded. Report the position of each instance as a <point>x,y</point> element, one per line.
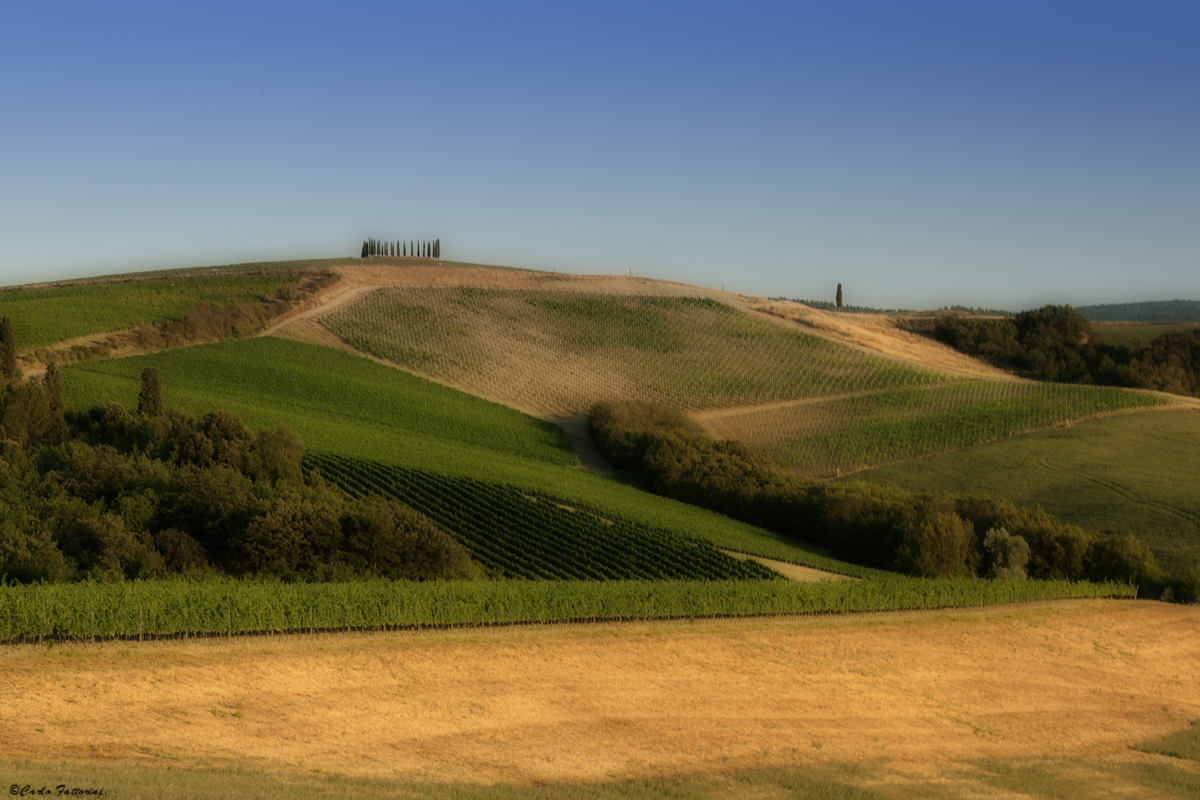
<point>823,393</point>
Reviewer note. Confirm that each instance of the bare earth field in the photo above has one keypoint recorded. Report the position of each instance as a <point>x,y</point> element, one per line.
<point>917,691</point>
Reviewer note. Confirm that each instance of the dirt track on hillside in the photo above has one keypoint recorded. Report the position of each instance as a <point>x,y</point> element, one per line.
<point>532,704</point>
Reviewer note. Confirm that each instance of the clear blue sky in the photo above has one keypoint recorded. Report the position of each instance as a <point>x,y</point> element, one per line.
<point>998,154</point>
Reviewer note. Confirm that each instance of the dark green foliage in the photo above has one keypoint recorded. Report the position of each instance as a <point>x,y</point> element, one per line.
<point>624,431</point>
<point>114,496</point>
<point>389,539</point>
<point>53,383</point>
<point>30,413</point>
<point>181,553</point>
<point>838,300</point>
<point>150,399</point>
<point>364,250</point>
<point>9,369</point>
<point>1122,559</point>
<point>1054,343</point>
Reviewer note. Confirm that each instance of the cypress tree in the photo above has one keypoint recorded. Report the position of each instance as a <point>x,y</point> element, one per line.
<point>150,399</point>
<point>404,247</point>
<point>839,297</point>
<point>437,248</point>
<point>8,351</point>
<point>364,250</point>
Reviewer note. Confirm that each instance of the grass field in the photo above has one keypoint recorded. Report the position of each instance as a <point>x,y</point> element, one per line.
<point>44,316</point>
<point>1131,474</point>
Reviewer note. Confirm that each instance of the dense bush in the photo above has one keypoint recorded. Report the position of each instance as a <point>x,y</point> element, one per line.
<point>1054,344</point>
<point>921,534</point>
<point>109,495</point>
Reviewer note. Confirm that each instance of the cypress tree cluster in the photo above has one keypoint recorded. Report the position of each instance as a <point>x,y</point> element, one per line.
<point>402,249</point>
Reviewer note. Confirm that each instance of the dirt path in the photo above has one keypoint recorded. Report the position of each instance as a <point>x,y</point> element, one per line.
<point>532,704</point>
<point>796,572</point>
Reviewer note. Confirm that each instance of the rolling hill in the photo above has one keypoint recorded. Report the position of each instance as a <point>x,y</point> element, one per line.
<point>823,393</point>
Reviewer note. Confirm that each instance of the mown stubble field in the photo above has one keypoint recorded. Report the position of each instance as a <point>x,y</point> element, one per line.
<point>918,691</point>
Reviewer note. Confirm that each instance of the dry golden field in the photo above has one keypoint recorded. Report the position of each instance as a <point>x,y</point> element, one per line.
<point>918,691</point>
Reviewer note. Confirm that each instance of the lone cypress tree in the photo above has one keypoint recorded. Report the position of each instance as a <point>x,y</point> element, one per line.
<point>839,297</point>
<point>150,399</point>
<point>8,351</point>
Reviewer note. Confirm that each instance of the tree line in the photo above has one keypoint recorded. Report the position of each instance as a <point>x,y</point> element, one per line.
<point>402,249</point>
<point>106,494</point>
<point>1057,343</point>
<point>886,527</point>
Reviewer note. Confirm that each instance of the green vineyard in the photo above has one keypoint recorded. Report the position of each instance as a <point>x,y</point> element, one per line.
<point>840,435</point>
<point>229,607</point>
<point>517,535</point>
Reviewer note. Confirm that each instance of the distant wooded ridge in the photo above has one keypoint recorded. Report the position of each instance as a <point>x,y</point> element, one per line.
<point>1160,311</point>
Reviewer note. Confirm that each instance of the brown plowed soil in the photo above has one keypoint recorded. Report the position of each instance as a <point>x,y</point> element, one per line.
<point>586,703</point>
